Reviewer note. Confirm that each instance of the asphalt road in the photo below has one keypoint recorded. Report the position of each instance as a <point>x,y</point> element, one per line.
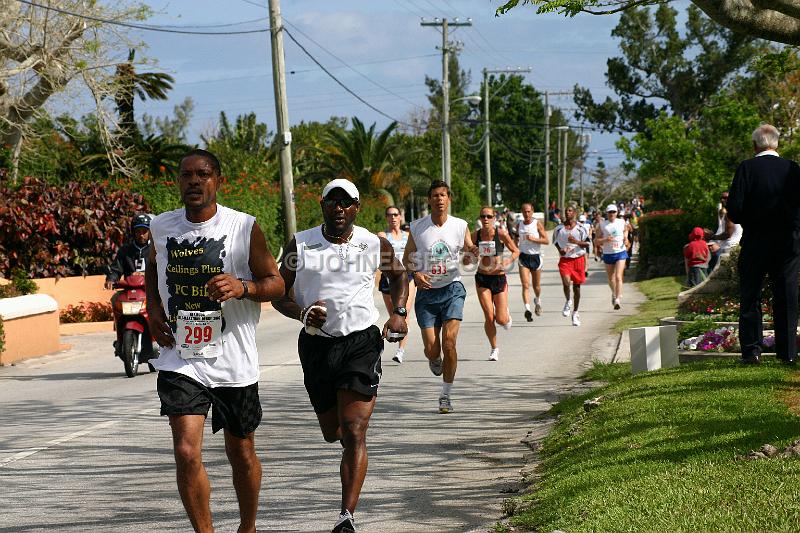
<point>83,448</point>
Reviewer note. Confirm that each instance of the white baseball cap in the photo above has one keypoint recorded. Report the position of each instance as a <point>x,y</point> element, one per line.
<point>582,218</point>
<point>611,207</point>
<point>340,183</point>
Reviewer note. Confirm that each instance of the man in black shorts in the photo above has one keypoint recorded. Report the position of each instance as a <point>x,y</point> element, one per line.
<point>332,270</point>
<point>207,261</point>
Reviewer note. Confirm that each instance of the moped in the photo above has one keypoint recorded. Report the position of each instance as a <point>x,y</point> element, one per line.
<point>134,344</point>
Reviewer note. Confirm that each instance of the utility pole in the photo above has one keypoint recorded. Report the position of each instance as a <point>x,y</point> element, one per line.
<point>547,161</point>
<point>486,148</point>
<point>562,198</point>
<point>447,46</point>
<point>282,118</point>
<point>546,156</point>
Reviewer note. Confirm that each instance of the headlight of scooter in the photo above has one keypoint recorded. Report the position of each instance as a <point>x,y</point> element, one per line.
<point>131,308</point>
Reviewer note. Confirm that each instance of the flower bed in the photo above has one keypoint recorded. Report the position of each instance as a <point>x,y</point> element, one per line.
<point>86,312</point>
<point>724,339</point>
<point>720,308</point>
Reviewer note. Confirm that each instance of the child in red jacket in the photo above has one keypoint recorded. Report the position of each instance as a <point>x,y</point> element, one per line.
<point>696,257</point>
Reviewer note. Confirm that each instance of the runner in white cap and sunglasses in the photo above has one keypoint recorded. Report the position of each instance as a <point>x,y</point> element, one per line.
<point>613,237</point>
<point>332,269</point>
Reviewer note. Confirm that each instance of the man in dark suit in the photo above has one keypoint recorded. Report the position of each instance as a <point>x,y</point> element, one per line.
<point>765,199</point>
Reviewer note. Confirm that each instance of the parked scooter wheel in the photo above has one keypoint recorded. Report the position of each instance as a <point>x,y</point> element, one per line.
<point>130,352</point>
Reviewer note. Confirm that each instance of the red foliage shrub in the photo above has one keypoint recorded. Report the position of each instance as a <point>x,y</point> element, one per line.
<point>69,230</point>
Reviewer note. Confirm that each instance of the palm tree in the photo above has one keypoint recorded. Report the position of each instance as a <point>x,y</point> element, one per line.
<point>129,85</point>
<point>374,162</point>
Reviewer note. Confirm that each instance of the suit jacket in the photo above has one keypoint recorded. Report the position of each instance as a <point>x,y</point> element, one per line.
<point>765,199</point>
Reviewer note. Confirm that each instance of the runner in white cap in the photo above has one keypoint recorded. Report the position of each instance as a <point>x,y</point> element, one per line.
<point>332,270</point>
<point>613,237</point>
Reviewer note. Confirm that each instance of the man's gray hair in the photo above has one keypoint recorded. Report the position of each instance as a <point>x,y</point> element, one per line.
<point>573,204</point>
<point>766,137</point>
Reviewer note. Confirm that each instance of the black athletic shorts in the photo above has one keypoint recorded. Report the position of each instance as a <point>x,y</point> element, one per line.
<point>352,362</point>
<point>494,283</point>
<point>531,261</point>
<point>238,409</point>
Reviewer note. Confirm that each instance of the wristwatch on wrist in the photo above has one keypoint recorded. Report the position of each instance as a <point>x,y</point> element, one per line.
<point>401,311</point>
<point>246,290</point>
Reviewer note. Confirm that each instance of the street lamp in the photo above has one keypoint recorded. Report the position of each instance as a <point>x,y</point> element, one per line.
<point>473,99</point>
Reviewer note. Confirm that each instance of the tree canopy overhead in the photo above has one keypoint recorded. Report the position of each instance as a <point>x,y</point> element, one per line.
<point>774,20</point>
<point>662,69</point>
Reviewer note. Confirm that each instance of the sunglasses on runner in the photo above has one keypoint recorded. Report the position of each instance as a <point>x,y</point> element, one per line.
<point>333,202</point>
<point>487,216</point>
<point>392,214</point>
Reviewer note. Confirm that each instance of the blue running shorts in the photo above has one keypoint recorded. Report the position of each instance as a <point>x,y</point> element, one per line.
<point>611,259</point>
<point>433,307</point>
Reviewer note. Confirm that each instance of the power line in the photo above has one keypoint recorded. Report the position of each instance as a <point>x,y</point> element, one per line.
<point>343,62</point>
<point>144,27</point>
<point>334,78</point>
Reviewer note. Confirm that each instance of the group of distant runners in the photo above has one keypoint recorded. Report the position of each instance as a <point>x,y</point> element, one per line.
<point>209,267</point>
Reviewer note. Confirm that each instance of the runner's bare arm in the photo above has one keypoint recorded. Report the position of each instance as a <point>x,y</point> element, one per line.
<point>266,284</point>
<point>398,287</point>
<point>543,238</point>
<point>286,304</point>
<point>156,317</point>
<point>511,245</point>
<point>469,246</point>
<point>395,272</point>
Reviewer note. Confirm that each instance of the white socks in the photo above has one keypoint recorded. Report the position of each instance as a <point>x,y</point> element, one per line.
<point>344,516</point>
<point>446,387</point>
<point>528,306</point>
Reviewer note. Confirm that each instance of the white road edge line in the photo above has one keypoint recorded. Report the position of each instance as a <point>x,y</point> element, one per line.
<point>66,438</point>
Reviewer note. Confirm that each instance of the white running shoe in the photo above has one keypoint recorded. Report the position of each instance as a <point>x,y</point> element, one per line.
<point>616,303</point>
<point>537,307</point>
<point>445,406</point>
<point>495,354</point>
<point>576,319</point>
<point>398,356</point>
<point>567,307</point>
<point>507,325</point>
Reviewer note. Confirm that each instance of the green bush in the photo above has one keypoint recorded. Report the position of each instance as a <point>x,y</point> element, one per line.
<point>662,237</point>
<point>696,328</point>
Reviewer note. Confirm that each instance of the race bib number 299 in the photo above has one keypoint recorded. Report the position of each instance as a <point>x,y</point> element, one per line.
<point>199,334</point>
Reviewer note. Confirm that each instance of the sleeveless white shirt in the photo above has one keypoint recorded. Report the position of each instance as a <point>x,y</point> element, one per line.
<point>341,275</point>
<point>616,230</point>
<point>188,254</point>
<point>438,248</point>
<point>526,246</point>
<point>399,245</point>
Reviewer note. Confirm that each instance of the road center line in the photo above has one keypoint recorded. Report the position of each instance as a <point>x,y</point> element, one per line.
<point>102,425</point>
<point>56,442</point>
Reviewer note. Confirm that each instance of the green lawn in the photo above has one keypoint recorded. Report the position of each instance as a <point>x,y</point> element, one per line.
<point>659,454</point>
<point>661,302</point>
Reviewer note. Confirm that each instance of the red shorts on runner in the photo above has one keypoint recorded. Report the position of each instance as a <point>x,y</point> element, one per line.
<point>574,267</point>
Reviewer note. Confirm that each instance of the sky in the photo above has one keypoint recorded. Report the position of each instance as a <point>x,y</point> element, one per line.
<point>377,48</point>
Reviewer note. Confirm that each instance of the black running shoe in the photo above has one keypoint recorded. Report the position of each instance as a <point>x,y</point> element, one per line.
<point>345,526</point>
<point>528,316</point>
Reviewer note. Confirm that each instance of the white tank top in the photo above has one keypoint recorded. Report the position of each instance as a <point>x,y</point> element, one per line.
<point>616,230</point>
<point>188,254</point>
<point>399,245</point>
<point>341,275</point>
<point>526,246</point>
<point>438,248</point>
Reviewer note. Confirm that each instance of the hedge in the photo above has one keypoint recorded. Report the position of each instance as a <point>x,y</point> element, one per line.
<point>661,241</point>
<point>67,230</point>
<point>261,198</point>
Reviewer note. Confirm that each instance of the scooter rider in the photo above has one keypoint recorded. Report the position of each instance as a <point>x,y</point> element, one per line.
<point>132,255</point>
